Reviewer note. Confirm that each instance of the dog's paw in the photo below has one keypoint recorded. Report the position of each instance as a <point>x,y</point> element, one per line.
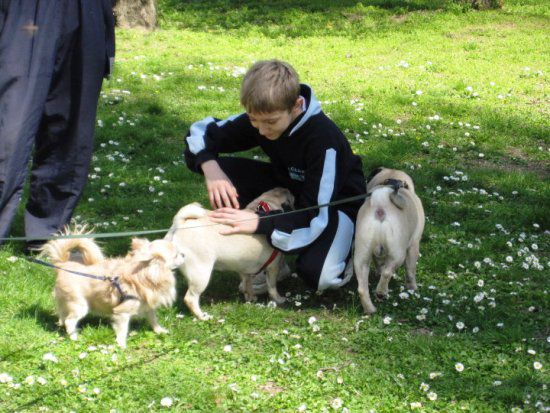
<point>411,286</point>
<point>73,336</point>
<point>160,330</point>
<point>369,309</point>
<point>121,343</point>
<point>204,316</point>
<point>250,298</point>
<point>380,296</point>
<point>279,300</point>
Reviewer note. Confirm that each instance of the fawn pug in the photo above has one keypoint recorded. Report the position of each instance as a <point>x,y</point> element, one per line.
<point>139,283</point>
<point>389,227</point>
<point>206,249</point>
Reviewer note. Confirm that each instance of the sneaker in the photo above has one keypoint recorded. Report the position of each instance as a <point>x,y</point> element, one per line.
<point>259,282</point>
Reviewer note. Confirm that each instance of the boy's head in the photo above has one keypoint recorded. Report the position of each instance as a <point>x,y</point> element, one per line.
<point>270,93</point>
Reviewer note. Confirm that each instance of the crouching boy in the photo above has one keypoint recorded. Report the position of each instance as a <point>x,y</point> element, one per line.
<point>308,154</point>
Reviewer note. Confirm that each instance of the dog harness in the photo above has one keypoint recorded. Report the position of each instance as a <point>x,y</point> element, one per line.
<point>263,209</point>
<point>113,280</point>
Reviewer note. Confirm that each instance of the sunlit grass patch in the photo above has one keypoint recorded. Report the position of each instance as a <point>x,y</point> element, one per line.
<point>456,98</point>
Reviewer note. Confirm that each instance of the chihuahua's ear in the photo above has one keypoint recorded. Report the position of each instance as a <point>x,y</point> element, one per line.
<point>141,249</point>
<point>138,243</point>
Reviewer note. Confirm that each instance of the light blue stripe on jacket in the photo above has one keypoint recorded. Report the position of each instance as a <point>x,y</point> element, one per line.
<point>195,140</point>
<point>304,236</point>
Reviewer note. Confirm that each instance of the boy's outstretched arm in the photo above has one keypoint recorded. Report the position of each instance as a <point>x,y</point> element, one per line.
<point>221,191</point>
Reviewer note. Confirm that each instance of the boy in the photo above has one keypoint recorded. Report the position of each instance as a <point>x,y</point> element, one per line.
<point>309,155</point>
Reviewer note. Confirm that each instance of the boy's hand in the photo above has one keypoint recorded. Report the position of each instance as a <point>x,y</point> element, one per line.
<point>221,191</point>
<point>240,221</point>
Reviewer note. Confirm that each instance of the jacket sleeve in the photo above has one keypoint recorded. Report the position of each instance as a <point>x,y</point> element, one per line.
<point>297,230</point>
<point>209,137</point>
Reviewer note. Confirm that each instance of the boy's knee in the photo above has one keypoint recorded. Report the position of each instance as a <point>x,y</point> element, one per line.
<point>320,278</point>
<point>331,276</point>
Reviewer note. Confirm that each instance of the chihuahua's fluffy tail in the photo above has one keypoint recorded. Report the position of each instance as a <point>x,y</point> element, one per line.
<point>59,250</point>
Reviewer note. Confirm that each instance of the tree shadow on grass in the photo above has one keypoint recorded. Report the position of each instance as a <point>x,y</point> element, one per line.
<point>48,320</point>
<point>292,18</point>
<point>44,317</point>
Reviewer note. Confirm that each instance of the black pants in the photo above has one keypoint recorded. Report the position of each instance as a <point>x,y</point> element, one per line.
<point>52,61</point>
<point>320,264</point>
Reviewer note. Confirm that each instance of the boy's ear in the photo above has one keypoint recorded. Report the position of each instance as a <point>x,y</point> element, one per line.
<point>299,103</point>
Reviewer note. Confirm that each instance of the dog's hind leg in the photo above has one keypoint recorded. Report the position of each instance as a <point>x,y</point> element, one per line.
<point>198,276</point>
<point>272,272</point>
<point>152,317</point>
<point>361,263</point>
<point>388,270</point>
<point>410,265</point>
<point>121,322</point>
<point>75,312</point>
<point>248,289</point>
<point>61,313</point>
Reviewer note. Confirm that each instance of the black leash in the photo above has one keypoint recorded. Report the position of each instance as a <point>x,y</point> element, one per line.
<point>113,280</point>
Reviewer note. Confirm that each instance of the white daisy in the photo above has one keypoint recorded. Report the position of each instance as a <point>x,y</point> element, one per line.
<point>166,402</point>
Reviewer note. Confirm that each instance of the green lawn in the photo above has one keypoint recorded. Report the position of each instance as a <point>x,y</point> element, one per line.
<point>457,98</point>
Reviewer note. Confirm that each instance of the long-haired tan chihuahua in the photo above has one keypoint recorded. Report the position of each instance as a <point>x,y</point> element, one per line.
<point>142,281</point>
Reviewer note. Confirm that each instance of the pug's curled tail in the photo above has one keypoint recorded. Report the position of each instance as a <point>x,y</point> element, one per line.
<point>191,211</point>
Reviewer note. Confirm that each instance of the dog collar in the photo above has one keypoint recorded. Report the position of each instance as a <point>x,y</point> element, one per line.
<point>263,207</point>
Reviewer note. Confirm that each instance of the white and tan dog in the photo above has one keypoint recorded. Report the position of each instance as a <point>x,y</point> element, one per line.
<point>389,227</point>
<point>206,249</point>
<point>143,280</point>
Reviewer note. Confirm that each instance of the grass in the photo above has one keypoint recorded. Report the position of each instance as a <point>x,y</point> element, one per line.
<point>457,98</point>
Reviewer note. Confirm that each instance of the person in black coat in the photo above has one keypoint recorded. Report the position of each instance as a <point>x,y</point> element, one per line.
<point>53,58</point>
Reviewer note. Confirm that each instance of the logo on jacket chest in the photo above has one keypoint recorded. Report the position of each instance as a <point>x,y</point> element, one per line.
<point>296,174</point>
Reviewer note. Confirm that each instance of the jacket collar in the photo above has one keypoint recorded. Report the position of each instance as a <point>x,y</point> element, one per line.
<point>312,108</point>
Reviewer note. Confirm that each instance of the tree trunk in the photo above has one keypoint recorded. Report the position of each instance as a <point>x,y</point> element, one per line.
<point>136,13</point>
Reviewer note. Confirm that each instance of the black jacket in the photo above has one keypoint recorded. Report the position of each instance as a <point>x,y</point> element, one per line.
<point>312,158</point>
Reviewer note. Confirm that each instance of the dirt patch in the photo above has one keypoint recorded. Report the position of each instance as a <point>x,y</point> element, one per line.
<point>539,168</point>
<point>353,17</point>
<point>272,388</point>
<point>422,331</point>
<point>399,19</point>
<point>475,32</point>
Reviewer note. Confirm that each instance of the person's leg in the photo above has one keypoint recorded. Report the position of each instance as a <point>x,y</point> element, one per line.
<point>322,264</point>
<point>28,42</point>
<point>251,178</point>
<point>64,143</point>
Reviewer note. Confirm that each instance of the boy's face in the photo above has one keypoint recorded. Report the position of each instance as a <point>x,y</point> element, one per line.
<point>273,124</point>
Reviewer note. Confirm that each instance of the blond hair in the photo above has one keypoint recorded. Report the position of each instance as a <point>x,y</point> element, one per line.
<point>268,86</point>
